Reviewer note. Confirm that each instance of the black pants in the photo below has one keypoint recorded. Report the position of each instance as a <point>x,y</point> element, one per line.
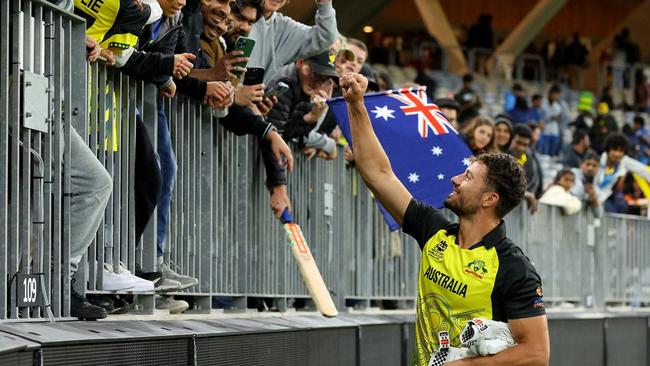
<point>148,179</point>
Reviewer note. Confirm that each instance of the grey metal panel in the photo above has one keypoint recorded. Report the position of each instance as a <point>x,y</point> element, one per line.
<point>154,352</point>
<point>335,347</point>
<point>577,342</point>
<point>626,340</point>
<point>380,345</point>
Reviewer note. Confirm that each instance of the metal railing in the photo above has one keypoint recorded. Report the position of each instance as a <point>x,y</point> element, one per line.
<point>221,229</point>
<point>41,91</point>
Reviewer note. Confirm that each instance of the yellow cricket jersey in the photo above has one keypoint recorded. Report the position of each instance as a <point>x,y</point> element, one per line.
<point>493,279</point>
<point>115,24</point>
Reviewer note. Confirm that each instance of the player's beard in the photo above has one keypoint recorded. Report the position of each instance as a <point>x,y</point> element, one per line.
<point>460,207</point>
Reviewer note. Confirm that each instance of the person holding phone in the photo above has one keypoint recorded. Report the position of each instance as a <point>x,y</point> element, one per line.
<point>302,109</point>
<point>282,40</point>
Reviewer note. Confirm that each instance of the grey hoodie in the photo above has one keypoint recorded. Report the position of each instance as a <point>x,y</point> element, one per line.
<point>280,40</point>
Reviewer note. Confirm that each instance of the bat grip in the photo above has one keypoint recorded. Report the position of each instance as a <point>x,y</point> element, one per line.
<point>286,216</point>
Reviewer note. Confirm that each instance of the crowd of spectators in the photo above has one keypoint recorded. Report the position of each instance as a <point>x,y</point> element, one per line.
<point>602,162</point>
<point>186,47</point>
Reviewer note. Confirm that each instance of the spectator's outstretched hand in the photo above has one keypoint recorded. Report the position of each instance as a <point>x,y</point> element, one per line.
<point>353,87</point>
<point>226,65</point>
<point>265,106</point>
<point>107,56</point>
<point>280,149</point>
<point>245,95</point>
<point>92,49</point>
<point>279,200</point>
<point>217,90</point>
<point>168,91</point>
<point>182,65</point>
<point>328,156</point>
<point>309,152</point>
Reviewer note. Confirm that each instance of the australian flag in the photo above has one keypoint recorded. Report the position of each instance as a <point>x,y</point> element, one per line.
<point>423,147</point>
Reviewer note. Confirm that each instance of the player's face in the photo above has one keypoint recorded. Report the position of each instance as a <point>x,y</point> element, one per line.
<point>468,188</point>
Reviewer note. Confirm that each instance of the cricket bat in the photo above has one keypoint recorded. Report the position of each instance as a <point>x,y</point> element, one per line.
<point>307,265</point>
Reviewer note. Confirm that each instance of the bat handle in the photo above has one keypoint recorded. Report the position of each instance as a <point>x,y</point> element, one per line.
<point>286,216</point>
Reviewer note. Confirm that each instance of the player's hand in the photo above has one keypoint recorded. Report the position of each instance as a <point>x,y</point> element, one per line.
<point>182,65</point>
<point>92,49</point>
<point>246,95</point>
<point>353,87</point>
<point>168,91</point>
<point>265,106</point>
<point>279,200</point>
<point>223,69</point>
<point>280,149</point>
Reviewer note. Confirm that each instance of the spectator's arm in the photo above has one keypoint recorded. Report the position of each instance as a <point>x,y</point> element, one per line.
<point>301,41</point>
<point>320,141</point>
<point>637,167</point>
<point>148,66</point>
<point>192,87</point>
<point>241,121</point>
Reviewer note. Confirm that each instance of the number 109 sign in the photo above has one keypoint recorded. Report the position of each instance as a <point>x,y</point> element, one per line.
<point>28,290</point>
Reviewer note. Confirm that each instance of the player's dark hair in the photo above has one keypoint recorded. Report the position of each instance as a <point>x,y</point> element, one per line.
<point>506,177</point>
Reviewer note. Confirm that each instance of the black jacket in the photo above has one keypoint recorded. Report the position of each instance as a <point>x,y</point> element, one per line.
<point>169,41</point>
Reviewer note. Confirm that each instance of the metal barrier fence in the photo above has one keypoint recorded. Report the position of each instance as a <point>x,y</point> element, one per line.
<point>41,91</point>
<point>221,229</point>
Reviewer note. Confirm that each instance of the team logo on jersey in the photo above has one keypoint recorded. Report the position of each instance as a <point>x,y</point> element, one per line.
<point>476,268</point>
<point>438,251</point>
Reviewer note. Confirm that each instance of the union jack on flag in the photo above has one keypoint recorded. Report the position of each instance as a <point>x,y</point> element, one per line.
<point>429,115</point>
<point>423,161</point>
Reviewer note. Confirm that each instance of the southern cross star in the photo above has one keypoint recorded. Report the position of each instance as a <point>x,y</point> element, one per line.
<point>383,112</point>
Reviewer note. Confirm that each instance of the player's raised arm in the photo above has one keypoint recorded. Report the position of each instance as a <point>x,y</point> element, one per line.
<point>370,158</point>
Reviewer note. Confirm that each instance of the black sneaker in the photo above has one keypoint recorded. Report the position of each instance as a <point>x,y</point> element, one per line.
<point>121,306</point>
<point>154,277</point>
<point>82,309</point>
<point>103,302</point>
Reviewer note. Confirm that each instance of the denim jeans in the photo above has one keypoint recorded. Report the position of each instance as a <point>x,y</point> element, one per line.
<point>168,168</point>
<point>90,189</point>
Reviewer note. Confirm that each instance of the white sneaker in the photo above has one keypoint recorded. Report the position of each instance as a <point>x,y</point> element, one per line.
<point>167,285</point>
<point>141,285</point>
<point>114,281</point>
<point>169,303</point>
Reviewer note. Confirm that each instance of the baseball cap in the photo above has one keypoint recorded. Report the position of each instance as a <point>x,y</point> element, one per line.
<point>323,63</point>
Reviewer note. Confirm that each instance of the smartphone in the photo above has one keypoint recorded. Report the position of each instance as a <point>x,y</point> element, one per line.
<point>276,90</point>
<point>246,45</point>
<point>254,76</point>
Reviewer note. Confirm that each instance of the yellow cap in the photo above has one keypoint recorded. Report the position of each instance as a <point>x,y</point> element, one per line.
<point>603,108</point>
